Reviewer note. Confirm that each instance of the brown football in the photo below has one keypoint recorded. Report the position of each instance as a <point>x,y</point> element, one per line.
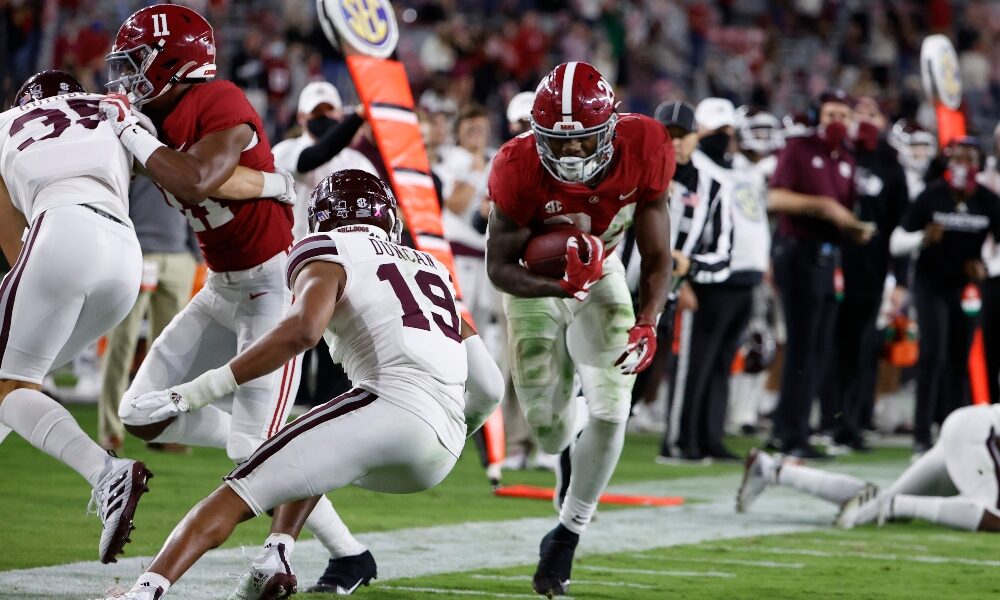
<point>545,253</point>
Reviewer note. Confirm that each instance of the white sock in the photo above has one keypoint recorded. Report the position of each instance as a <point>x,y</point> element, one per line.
<point>832,487</point>
<point>957,511</point>
<point>208,426</point>
<point>594,459</point>
<point>48,426</point>
<point>281,538</point>
<point>151,580</point>
<point>324,523</point>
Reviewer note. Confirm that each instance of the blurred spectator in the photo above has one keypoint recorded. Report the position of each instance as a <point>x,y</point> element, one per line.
<point>990,321</point>
<point>849,387</point>
<point>812,191</point>
<point>948,223</point>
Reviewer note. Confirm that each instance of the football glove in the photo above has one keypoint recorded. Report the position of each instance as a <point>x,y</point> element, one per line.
<point>580,274</point>
<point>279,185</point>
<point>640,349</point>
<point>132,131</point>
<point>118,111</point>
<point>199,392</point>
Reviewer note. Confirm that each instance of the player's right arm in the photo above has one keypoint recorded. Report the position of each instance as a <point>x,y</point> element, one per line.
<point>250,184</point>
<point>192,175</point>
<point>12,224</point>
<point>505,244</point>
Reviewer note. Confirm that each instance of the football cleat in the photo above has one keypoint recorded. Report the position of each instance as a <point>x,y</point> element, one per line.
<point>138,592</point>
<point>269,576</point>
<point>114,500</point>
<point>868,506</point>
<point>552,576</point>
<point>345,574</point>
<point>759,471</point>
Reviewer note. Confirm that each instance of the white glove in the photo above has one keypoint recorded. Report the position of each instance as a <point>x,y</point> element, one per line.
<point>200,392</point>
<point>279,185</point>
<point>118,111</point>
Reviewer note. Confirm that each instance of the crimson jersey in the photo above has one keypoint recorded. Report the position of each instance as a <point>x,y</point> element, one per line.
<point>233,235</point>
<point>640,171</point>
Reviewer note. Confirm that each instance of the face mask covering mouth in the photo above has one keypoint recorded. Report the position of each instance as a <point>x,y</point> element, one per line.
<point>961,178</point>
<point>317,126</point>
<point>715,146</point>
<point>833,134</point>
<point>866,136</point>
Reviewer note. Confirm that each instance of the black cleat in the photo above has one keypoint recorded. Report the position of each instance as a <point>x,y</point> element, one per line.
<point>555,562</point>
<point>345,574</point>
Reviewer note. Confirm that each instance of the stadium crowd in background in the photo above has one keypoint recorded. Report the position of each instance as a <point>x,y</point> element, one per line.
<point>467,60</point>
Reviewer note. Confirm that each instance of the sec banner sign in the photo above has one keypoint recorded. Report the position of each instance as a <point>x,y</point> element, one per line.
<point>365,26</point>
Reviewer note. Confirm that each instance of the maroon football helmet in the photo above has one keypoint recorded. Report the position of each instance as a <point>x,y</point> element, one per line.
<point>45,85</point>
<point>353,197</point>
<point>574,101</point>
<point>158,47</point>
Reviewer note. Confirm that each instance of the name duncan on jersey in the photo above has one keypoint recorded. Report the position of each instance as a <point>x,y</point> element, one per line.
<point>385,248</point>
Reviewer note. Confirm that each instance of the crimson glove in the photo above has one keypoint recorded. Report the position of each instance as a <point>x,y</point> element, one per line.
<point>640,349</point>
<point>580,275</point>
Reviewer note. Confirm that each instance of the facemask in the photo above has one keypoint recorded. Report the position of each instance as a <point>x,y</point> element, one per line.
<point>317,126</point>
<point>962,179</point>
<point>714,146</point>
<point>833,134</point>
<point>866,136</point>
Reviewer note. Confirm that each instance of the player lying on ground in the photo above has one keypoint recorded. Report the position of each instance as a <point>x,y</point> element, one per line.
<point>75,275</point>
<point>954,484</point>
<point>388,313</point>
<point>583,166</point>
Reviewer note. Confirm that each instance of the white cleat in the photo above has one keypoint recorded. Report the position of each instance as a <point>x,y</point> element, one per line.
<point>114,500</point>
<point>136,593</point>
<point>269,576</point>
<point>759,471</point>
<point>868,506</point>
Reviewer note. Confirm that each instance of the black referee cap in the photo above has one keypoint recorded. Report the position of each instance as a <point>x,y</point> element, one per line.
<point>676,114</point>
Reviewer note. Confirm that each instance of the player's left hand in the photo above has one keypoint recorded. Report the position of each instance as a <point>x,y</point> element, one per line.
<point>640,349</point>
<point>164,404</point>
<point>118,111</point>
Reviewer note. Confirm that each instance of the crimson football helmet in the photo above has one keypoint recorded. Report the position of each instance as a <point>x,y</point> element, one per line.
<point>45,85</point>
<point>158,47</point>
<point>353,197</point>
<point>574,101</point>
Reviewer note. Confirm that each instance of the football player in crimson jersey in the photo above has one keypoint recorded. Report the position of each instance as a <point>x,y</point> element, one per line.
<point>389,315</point>
<point>584,165</point>
<point>163,60</point>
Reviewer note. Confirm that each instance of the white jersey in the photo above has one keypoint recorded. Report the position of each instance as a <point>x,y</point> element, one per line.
<point>58,152</point>
<point>396,328</point>
<point>286,157</point>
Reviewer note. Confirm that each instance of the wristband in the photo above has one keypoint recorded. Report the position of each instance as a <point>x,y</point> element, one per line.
<point>208,387</point>
<point>274,185</point>
<point>140,143</point>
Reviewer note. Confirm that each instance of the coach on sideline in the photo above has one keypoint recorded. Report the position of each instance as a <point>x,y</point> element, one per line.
<point>812,191</point>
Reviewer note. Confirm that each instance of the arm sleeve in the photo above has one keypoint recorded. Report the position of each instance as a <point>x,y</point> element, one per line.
<point>484,386</point>
<point>329,145</point>
<point>317,246</point>
<point>502,187</point>
<point>785,170</point>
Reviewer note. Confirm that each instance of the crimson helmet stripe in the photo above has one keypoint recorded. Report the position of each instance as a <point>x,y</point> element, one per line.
<point>567,92</point>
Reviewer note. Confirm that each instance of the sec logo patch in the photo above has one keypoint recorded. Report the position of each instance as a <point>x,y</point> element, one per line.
<point>368,26</point>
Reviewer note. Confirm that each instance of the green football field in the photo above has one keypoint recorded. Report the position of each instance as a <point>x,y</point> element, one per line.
<point>459,541</point>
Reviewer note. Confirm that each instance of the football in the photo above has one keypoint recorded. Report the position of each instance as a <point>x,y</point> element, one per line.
<point>545,253</point>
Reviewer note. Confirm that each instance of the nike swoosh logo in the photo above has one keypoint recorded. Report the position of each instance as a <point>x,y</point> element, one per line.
<point>623,197</point>
<point>254,296</point>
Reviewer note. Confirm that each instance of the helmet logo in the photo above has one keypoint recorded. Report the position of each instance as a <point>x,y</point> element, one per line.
<point>160,28</point>
<point>568,126</point>
<point>36,91</point>
<point>342,209</point>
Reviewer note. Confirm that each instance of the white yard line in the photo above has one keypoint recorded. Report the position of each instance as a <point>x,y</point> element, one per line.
<point>663,572</point>
<point>478,545</point>
<point>625,584</point>
<point>942,560</point>
<point>431,590</point>
<point>767,564</point>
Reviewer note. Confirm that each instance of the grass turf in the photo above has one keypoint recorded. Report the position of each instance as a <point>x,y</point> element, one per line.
<point>44,504</point>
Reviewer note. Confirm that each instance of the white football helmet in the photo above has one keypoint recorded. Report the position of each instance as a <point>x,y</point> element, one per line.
<point>758,131</point>
<point>916,146</point>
